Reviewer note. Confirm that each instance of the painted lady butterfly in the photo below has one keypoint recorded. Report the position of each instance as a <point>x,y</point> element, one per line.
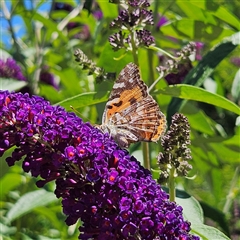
<point>131,114</point>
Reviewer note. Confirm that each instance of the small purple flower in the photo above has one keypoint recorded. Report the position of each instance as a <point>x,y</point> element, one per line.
<point>162,21</point>
<point>199,46</point>
<point>129,229</point>
<point>48,78</point>
<point>117,40</point>
<point>70,152</point>
<point>139,3</point>
<point>89,169</point>
<point>183,69</point>
<point>139,206</point>
<point>125,203</point>
<point>62,6</point>
<point>113,177</point>
<point>125,216</point>
<point>147,223</point>
<point>145,38</point>
<point>235,61</point>
<point>98,14</point>
<point>10,69</point>
<point>85,33</point>
<point>107,224</point>
<point>176,69</point>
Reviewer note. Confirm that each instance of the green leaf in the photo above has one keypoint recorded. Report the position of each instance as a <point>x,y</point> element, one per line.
<point>50,93</point>
<point>219,11</point>
<point>216,146</point>
<point>207,232</point>
<point>225,153</point>
<point>196,13</point>
<point>236,86</point>
<point>210,61</point>
<point>50,214</point>
<point>60,14</point>
<point>70,80</point>
<point>8,182</point>
<point>198,119</point>
<point>193,212</point>
<point>217,180</point>
<point>29,201</point>
<point>87,19</point>
<point>108,56</point>
<point>6,230</point>
<point>233,143</point>
<point>83,100</point>
<point>189,92</point>
<point>215,214</point>
<point>196,30</point>
<point>204,69</point>
<point>50,25</point>
<point>11,84</point>
<point>54,58</point>
<point>109,10</point>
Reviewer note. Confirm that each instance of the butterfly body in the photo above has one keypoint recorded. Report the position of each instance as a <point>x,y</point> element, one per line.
<point>131,114</point>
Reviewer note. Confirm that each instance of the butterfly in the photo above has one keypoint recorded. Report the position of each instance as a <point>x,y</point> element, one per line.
<point>131,114</point>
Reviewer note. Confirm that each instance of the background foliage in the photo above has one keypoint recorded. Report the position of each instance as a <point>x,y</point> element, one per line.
<point>43,39</point>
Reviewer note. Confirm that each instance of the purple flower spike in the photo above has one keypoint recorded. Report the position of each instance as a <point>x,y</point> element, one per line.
<point>48,78</point>
<point>99,183</point>
<point>10,69</point>
<point>134,17</point>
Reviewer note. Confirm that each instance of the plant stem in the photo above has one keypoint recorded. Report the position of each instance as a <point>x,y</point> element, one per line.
<point>163,51</point>
<point>171,185</point>
<point>134,49</point>
<point>146,155</point>
<point>150,67</point>
<point>155,82</point>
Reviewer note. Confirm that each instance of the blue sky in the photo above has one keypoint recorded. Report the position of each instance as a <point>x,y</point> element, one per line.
<point>17,22</point>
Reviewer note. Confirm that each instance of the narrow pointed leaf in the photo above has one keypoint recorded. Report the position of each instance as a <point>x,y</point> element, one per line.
<point>29,201</point>
<point>189,92</point>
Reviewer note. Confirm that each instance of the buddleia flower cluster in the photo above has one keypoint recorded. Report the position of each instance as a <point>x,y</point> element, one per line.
<point>131,25</point>
<point>10,69</point>
<point>99,183</point>
<point>176,151</point>
<point>90,65</point>
<point>175,69</point>
<point>86,63</point>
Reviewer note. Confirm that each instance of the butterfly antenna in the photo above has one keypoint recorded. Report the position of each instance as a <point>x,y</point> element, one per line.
<point>80,114</point>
